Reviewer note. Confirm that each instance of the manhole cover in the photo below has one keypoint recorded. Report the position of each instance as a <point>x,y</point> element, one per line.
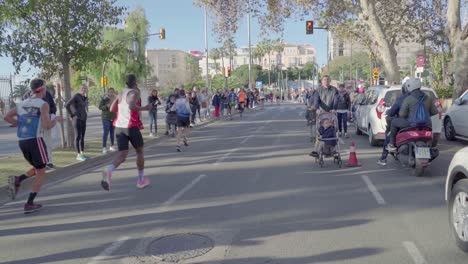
<point>178,247</point>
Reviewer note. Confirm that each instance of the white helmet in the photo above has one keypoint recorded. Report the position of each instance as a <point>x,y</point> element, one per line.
<point>412,84</point>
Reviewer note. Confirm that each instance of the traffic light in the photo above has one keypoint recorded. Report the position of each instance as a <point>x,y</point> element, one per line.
<point>162,33</point>
<point>375,75</point>
<point>229,71</point>
<point>104,81</point>
<point>310,27</point>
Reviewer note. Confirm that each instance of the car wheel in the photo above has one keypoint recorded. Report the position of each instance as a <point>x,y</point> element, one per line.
<point>372,141</point>
<point>449,130</point>
<point>358,132</point>
<point>458,209</point>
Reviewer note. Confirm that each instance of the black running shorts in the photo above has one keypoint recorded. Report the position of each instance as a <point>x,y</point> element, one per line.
<point>183,121</point>
<point>35,152</point>
<point>125,135</point>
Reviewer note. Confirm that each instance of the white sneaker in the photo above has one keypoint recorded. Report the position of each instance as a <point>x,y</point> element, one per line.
<point>112,148</point>
<point>104,150</point>
<point>80,157</point>
<point>151,135</point>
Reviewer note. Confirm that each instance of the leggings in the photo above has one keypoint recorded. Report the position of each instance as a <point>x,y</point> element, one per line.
<point>80,129</point>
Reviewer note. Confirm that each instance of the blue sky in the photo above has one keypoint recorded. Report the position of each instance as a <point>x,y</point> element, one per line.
<point>184,26</point>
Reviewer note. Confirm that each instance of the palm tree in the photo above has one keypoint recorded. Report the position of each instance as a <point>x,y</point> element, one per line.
<point>215,55</point>
<point>268,46</point>
<point>19,90</point>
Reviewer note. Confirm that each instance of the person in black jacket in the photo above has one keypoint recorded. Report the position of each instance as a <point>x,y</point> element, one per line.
<point>343,105</point>
<point>76,108</point>
<point>154,100</point>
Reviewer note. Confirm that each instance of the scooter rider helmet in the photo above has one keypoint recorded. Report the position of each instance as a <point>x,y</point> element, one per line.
<point>412,84</point>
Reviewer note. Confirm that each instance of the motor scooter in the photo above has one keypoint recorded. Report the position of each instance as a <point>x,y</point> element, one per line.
<point>414,148</point>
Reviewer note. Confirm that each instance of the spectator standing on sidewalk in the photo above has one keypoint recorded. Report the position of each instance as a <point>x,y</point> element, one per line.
<point>216,102</point>
<point>128,125</point>
<point>76,108</point>
<point>199,95</point>
<point>154,101</point>
<point>107,119</point>
<point>47,133</point>
<point>2,107</point>
<point>183,110</point>
<point>343,106</point>
<point>205,109</point>
<point>32,115</point>
<point>194,106</point>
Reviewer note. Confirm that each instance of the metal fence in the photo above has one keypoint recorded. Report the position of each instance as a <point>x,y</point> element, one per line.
<point>6,89</point>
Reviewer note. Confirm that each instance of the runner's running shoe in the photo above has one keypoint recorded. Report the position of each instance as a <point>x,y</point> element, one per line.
<point>13,186</point>
<point>106,179</point>
<point>29,208</point>
<point>142,184</point>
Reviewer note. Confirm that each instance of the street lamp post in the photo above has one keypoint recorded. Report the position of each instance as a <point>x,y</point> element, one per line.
<point>206,50</point>
<point>250,46</point>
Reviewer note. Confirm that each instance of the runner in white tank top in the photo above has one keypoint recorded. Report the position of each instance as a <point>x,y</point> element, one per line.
<point>128,125</point>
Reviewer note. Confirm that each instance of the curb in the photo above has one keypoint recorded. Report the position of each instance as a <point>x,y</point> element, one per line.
<point>76,169</point>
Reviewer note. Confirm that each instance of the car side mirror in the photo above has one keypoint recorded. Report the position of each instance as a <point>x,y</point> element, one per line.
<point>458,101</point>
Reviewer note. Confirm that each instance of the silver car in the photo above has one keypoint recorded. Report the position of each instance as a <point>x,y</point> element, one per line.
<point>370,112</point>
<point>456,195</point>
<point>456,119</point>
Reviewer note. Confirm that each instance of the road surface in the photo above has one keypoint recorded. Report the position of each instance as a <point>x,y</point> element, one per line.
<point>244,192</point>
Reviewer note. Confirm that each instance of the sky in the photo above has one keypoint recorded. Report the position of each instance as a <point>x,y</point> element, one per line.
<point>184,24</point>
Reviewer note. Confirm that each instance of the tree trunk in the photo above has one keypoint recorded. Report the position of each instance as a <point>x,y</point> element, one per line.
<point>269,68</point>
<point>60,108</point>
<point>67,88</point>
<point>387,51</point>
<point>458,44</point>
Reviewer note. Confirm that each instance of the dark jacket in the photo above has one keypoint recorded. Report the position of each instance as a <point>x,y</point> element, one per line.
<point>154,101</point>
<point>176,96</point>
<point>104,106</point>
<point>327,98</point>
<point>343,101</point>
<point>312,99</point>
<point>393,111</point>
<point>50,100</point>
<point>409,105</point>
<point>216,100</point>
<point>76,107</point>
<point>328,133</point>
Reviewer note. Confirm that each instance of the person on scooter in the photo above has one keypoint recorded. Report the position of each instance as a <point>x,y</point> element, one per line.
<point>391,113</point>
<point>409,108</point>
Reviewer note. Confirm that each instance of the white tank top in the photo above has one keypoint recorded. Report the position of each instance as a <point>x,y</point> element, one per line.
<point>125,117</point>
<point>29,118</point>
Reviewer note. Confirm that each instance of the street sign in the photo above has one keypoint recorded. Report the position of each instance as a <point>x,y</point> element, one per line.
<point>259,84</point>
<point>419,69</point>
<point>420,61</point>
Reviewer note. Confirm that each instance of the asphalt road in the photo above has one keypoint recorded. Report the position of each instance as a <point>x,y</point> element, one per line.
<point>244,192</point>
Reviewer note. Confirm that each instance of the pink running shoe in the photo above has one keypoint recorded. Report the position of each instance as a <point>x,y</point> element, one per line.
<point>144,183</point>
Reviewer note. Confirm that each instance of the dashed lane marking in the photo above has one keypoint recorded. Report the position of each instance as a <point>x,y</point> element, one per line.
<point>108,251</point>
<point>414,252</point>
<point>373,190</point>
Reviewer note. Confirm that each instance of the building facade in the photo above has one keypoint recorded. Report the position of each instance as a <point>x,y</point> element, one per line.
<point>291,56</point>
<point>170,68</point>
<point>342,47</point>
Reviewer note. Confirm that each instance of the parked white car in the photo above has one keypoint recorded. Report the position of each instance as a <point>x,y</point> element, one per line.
<point>456,119</point>
<point>456,195</point>
<point>370,112</point>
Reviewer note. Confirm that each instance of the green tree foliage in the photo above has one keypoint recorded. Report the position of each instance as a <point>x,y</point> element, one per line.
<point>342,67</point>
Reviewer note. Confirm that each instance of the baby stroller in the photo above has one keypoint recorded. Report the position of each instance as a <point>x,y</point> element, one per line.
<point>327,150</point>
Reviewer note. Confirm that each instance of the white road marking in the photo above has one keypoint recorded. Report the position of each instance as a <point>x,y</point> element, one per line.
<point>301,113</point>
<point>245,140</point>
<point>373,189</point>
<point>414,252</point>
<point>108,251</point>
<point>225,156</point>
<point>183,191</point>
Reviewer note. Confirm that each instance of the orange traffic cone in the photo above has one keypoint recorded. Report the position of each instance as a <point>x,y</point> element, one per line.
<point>353,161</point>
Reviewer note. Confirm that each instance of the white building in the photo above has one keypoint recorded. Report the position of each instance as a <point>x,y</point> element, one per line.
<point>291,56</point>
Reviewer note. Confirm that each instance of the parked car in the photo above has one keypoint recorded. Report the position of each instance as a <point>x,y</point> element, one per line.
<point>370,114</point>
<point>456,195</point>
<point>456,119</point>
